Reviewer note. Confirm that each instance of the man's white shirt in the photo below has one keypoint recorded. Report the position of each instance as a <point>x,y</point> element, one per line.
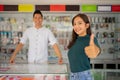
<point>39,39</point>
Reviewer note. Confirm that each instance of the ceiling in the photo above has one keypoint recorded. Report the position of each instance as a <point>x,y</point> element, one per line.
<point>67,2</point>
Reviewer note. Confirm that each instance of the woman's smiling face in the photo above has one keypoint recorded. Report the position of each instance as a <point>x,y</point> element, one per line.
<point>80,27</point>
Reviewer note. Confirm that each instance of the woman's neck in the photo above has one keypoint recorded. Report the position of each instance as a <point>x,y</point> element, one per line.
<point>83,34</point>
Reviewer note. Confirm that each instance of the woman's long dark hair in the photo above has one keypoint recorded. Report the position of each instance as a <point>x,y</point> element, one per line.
<point>74,35</point>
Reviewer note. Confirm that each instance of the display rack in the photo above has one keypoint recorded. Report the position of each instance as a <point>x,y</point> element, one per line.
<point>105,25</point>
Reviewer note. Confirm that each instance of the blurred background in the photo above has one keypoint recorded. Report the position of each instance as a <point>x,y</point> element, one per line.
<point>16,17</point>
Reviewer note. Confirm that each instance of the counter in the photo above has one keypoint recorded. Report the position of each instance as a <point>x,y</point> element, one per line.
<point>34,71</point>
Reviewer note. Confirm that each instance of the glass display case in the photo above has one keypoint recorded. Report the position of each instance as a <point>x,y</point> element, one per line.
<point>49,72</point>
<point>34,71</point>
<point>106,74</point>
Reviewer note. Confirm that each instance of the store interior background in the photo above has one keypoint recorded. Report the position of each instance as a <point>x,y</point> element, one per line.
<point>105,25</point>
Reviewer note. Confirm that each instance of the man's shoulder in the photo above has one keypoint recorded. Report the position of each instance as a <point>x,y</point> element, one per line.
<point>30,28</point>
<point>47,29</point>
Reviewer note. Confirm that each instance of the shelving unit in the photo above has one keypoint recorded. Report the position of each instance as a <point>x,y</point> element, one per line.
<point>60,24</point>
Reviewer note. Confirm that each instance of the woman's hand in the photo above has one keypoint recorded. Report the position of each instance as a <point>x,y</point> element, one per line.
<point>92,50</point>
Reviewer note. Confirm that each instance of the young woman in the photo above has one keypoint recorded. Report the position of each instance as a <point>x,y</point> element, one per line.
<point>82,47</point>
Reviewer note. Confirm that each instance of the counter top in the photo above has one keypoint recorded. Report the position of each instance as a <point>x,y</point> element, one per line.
<point>33,69</point>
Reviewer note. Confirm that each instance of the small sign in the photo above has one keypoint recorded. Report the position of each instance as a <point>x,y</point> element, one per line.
<point>25,8</point>
<point>1,7</point>
<point>57,7</point>
<point>10,7</point>
<point>72,8</point>
<point>88,8</point>
<point>42,7</point>
<point>104,8</point>
<point>115,8</point>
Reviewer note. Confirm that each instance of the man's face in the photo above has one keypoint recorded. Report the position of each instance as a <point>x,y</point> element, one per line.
<point>37,19</point>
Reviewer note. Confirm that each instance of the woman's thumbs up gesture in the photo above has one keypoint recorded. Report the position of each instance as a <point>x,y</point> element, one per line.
<point>92,50</point>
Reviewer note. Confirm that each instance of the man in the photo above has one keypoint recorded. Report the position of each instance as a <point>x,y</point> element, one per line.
<point>39,37</point>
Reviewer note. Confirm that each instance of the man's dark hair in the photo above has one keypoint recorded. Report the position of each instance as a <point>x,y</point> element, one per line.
<point>37,12</point>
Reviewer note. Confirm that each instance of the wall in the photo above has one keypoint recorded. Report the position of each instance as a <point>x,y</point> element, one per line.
<point>70,2</point>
